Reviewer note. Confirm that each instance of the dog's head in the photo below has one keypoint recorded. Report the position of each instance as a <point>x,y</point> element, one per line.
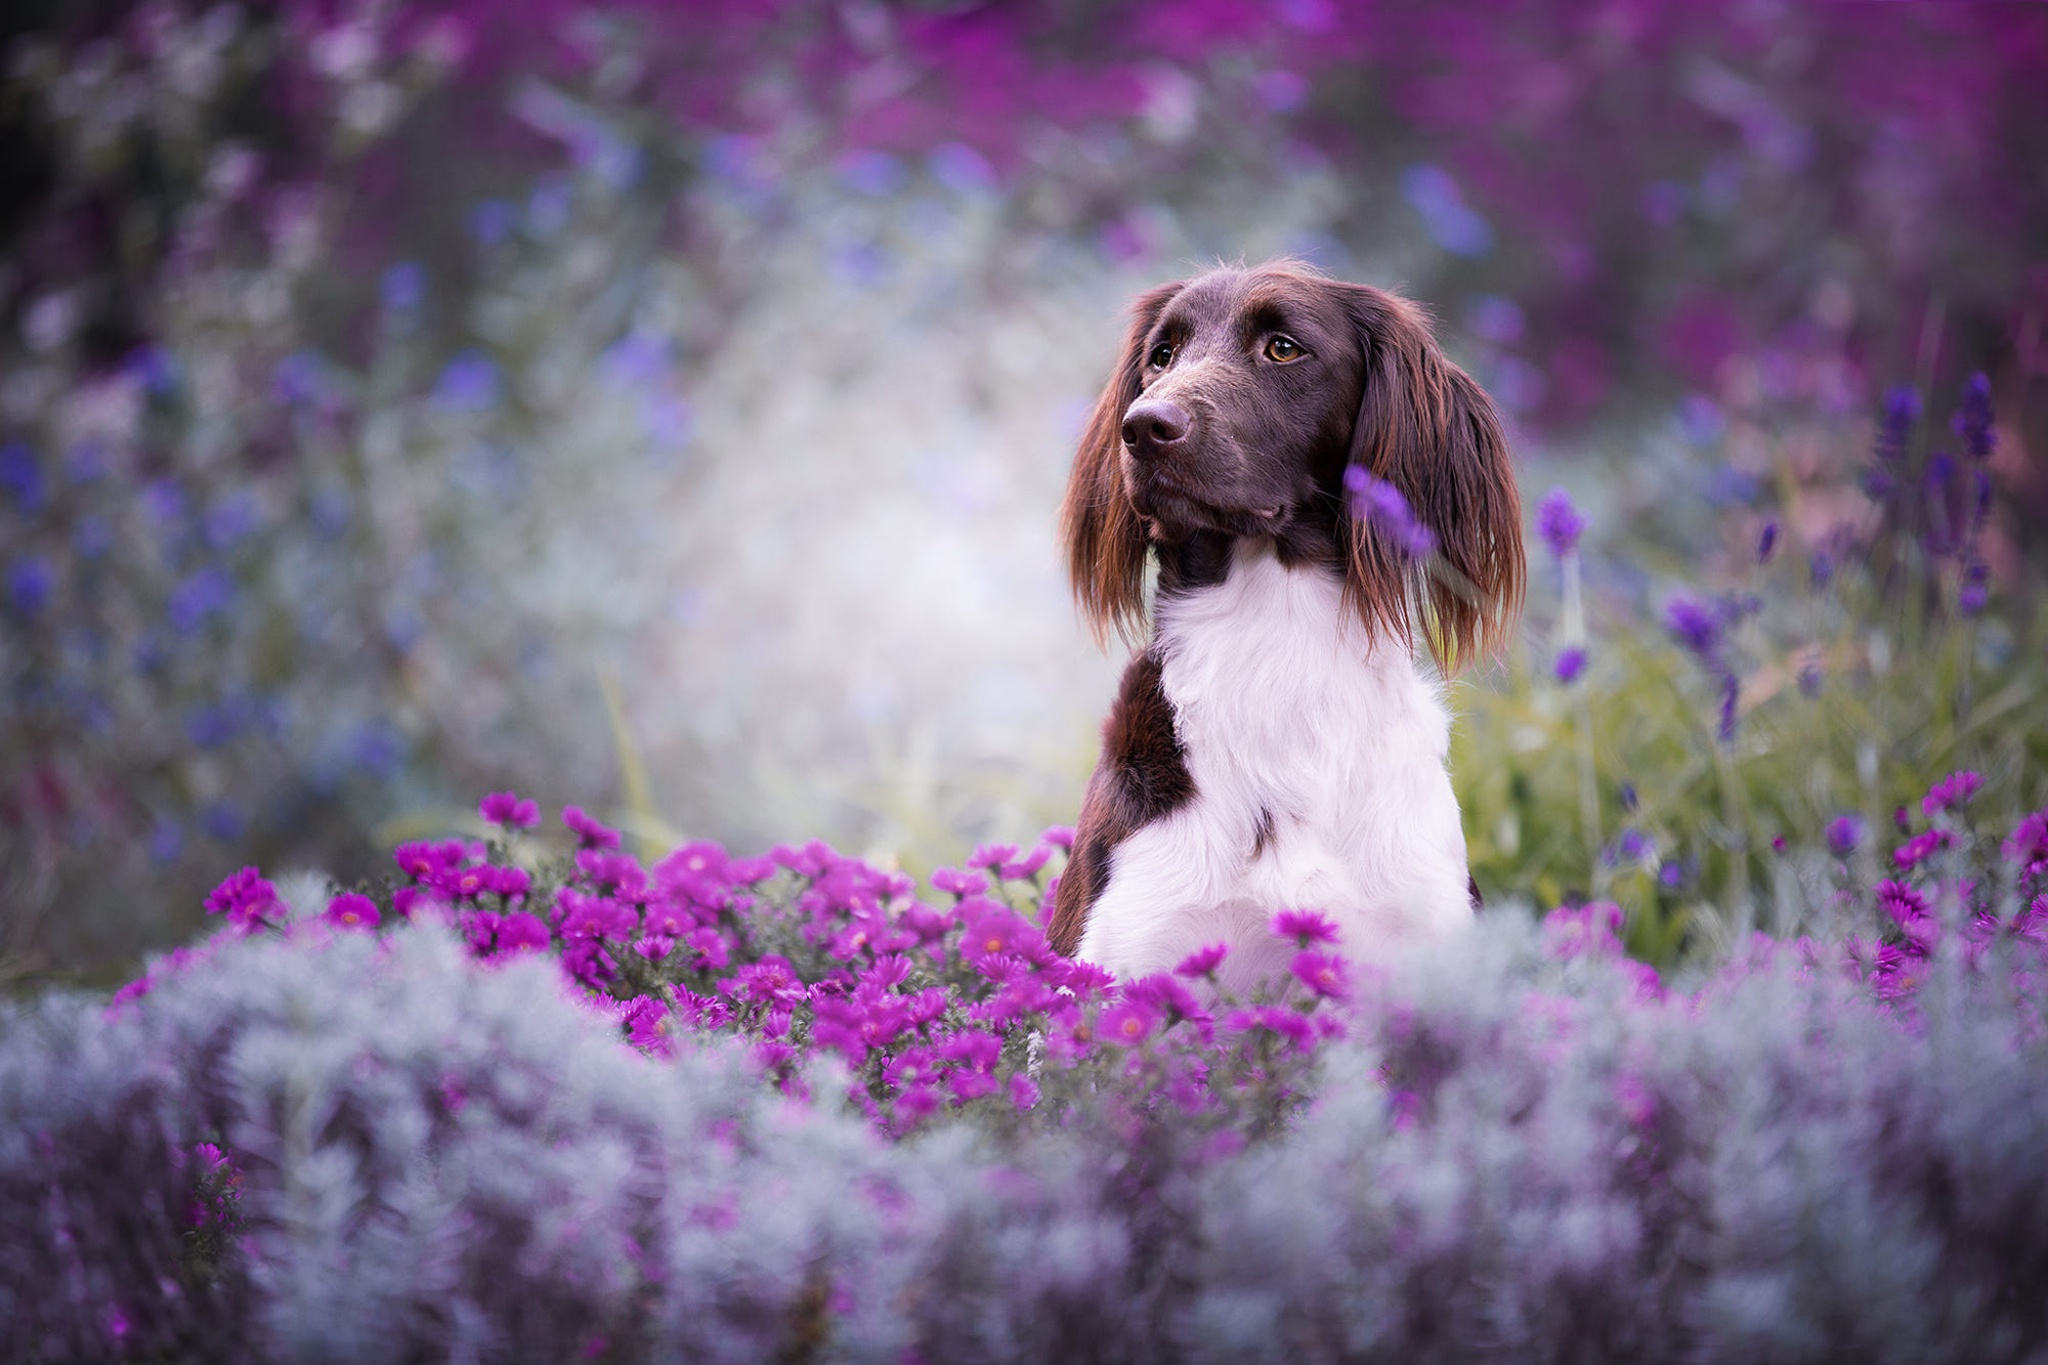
<point>1238,403</point>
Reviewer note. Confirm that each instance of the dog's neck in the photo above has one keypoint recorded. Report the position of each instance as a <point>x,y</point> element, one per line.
<point>1202,558</point>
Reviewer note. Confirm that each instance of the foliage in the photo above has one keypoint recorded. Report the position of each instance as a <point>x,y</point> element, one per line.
<point>1721,746</point>
<point>331,1134</point>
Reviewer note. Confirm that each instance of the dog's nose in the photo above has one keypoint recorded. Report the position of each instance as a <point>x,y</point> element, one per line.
<point>1152,426</point>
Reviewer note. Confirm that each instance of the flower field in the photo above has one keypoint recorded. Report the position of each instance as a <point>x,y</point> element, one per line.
<point>797,1106</point>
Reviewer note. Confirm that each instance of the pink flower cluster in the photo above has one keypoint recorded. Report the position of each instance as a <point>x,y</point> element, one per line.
<point>960,1002</point>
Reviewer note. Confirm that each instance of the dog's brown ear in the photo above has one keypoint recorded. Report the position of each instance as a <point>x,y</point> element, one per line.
<point>1426,428</point>
<point>1104,535</point>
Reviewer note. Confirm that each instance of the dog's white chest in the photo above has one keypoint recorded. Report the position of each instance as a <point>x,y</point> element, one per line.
<point>1318,769</point>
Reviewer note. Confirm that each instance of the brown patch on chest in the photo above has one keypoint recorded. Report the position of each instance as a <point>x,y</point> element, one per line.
<point>1141,777</point>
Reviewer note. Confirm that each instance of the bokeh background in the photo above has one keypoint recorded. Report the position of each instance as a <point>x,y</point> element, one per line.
<point>663,408</point>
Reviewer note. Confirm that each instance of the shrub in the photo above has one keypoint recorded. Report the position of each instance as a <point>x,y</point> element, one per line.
<point>884,1129</point>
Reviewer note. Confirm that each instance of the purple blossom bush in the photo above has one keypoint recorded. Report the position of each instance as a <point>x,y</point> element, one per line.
<point>727,1108</point>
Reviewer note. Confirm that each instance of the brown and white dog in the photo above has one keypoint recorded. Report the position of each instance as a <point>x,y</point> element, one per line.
<point>1276,743</point>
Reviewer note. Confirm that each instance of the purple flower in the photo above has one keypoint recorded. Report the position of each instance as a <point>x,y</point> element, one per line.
<point>1697,624</point>
<point>1972,421</point>
<point>1571,662</point>
<point>1917,850</point>
<point>1766,542</point>
<point>959,883</point>
<point>1379,503</point>
<point>993,931</point>
<point>421,861</point>
<point>1304,927</point>
<point>1023,1091</point>
<point>1845,832</point>
<point>1952,791</point>
<point>1017,869</point>
<point>1059,836</point>
<point>1127,1023</point>
<point>246,898</point>
<point>468,384</point>
<point>28,585</point>
<point>352,910</point>
<point>646,1020</point>
<point>521,933</point>
<point>1289,1024</point>
<point>1559,523</point>
<point>991,855</point>
<point>589,833</point>
<point>1327,976</point>
<point>771,981</point>
<point>1203,962</point>
<point>508,810</point>
<point>1731,694</point>
<point>2027,845</point>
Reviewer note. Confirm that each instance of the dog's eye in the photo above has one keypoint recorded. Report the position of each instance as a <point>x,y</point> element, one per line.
<point>1162,356</point>
<point>1283,349</point>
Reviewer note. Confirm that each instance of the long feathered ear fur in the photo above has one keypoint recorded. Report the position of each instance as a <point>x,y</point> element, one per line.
<point>1425,427</point>
<point>1104,535</point>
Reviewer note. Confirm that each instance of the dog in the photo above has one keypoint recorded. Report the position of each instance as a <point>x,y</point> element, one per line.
<point>1277,742</point>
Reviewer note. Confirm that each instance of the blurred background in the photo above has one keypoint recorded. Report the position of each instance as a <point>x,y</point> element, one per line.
<point>663,408</point>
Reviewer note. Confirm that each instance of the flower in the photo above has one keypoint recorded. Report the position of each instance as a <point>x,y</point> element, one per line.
<point>352,910</point>
<point>521,932</point>
<point>1766,542</point>
<point>1920,848</point>
<point>959,883</point>
<point>1697,624</point>
<point>246,898</point>
<point>1326,975</point>
<point>1127,1023</point>
<point>1304,927</point>
<point>1203,962</point>
<point>1382,505</point>
<point>1559,523</point>
<point>1952,791</point>
<point>508,810</point>
<point>589,833</point>
<point>28,584</point>
<point>1571,662</point>
<point>1845,832</point>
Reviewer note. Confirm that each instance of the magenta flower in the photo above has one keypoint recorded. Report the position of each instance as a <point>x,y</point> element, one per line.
<point>246,898</point>
<point>589,833</point>
<point>1559,523</point>
<point>1203,962</point>
<point>521,933</point>
<point>352,910</point>
<point>958,883</point>
<point>1304,927</point>
<point>1327,976</point>
<point>2027,845</point>
<point>1059,836</point>
<point>1289,1024</point>
<point>647,1025</point>
<point>993,930</point>
<point>991,855</point>
<point>1127,1023</point>
<point>508,882</point>
<point>1571,662</point>
<point>1952,791</point>
<point>506,809</point>
<point>1017,869</point>
<point>771,981</point>
<point>1921,847</point>
<point>421,861</point>
<point>1023,1091</point>
<point>1845,832</point>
